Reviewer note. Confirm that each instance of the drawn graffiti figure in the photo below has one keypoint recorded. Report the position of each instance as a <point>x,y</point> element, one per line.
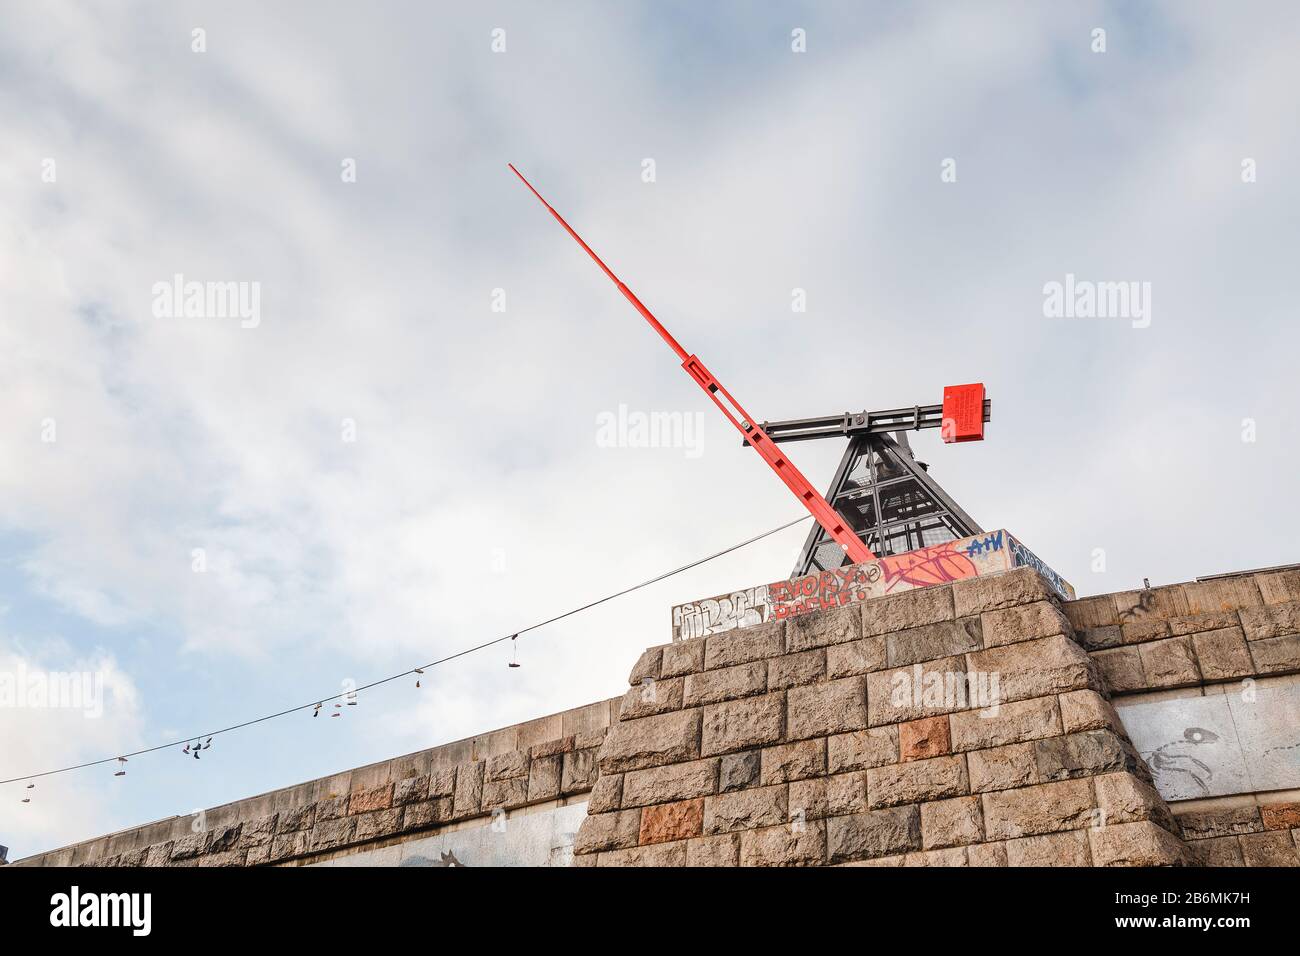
<point>1165,759</point>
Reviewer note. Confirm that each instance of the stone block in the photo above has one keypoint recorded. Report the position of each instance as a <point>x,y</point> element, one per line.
<point>744,645</point>
<point>1026,622</point>
<point>739,770</point>
<point>1222,654</point>
<point>875,833</point>
<point>647,665</point>
<point>442,783</point>
<point>654,854</point>
<point>917,781</point>
<point>551,748</point>
<point>579,771</point>
<point>672,821</point>
<point>927,737</point>
<point>823,628</point>
<point>953,857</point>
<point>678,781</point>
<point>375,798</point>
<point>505,794</point>
<point>1270,848</point>
<point>1220,822</point>
<point>1221,594</point>
<point>921,690</point>
<point>954,822</point>
<point>607,794</point>
<point>1270,620</point>
<point>834,707</point>
<point>380,823</point>
<point>1214,621</point>
<point>331,834</point>
<point>932,641</point>
<point>1275,816</point>
<point>682,658</point>
<point>651,741</point>
<point>1170,663</point>
<point>1012,723</point>
<point>987,854</point>
<point>908,609</point>
<point>1093,612</point>
<point>1279,587</point>
<point>784,845</point>
<point>469,789</point>
<point>411,790</point>
<point>993,592</point>
<point>1161,604</point>
<point>1050,665</point>
<point>651,697</point>
<point>544,778</point>
<point>1087,710</point>
<point>856,657</point>
<point>1220,851</point>
<point>1051,849</point>
<point>726,683</point>
<point>1136,844</point>
<point>745,809</point>
<point>795,670</point>
<point>1100,638</point>
<point>1045,808</point>
<point>740,724</point>
<point>862,749</point>
<point>512,763</point>
<point>1002,768</point>
<point>1123,798</point>
<point>1121,669</point>
<point>1276,655</point>
<point>721,850</point>
<point>1079,755</point>
<point>419,816</point>
<point>608,831</point>
<point>786,762</point>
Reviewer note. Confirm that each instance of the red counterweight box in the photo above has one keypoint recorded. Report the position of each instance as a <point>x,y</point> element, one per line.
<point>963,412</point>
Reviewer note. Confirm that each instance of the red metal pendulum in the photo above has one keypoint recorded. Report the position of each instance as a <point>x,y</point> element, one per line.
<point>753,435</point>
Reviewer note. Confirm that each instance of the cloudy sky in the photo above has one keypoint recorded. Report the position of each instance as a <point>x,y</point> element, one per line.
<point>222,517</point>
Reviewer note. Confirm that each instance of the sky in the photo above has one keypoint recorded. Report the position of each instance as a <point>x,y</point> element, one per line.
<point>405,448</point>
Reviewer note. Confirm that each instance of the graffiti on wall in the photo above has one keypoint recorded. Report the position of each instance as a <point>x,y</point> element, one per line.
<point>1246,740</point>
<point>939,564</point>
<point>1022,557</point>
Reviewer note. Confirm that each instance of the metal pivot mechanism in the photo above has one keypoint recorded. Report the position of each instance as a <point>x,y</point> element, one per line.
<point>888,496</point>
<point>832,524</point>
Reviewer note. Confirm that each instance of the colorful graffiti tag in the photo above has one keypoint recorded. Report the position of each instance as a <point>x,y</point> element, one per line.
<point>939,564</point>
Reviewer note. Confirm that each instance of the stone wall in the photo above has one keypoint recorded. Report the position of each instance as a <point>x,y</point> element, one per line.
<point>537,765</point>
<point>862,735</point>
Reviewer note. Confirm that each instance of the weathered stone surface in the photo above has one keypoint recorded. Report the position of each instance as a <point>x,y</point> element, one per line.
<point>834,707</point>
<point>1271,848</point>
<point>189,846</point>
<point>952,857</point>
<point>921,690</point>
<point>1279,587</point>
<point>1123,798</point>
<point>739,770</point>
<point>1275,816</point>
<point>856,657</point>
<point>1144,629</point>
<point>287,846</point>
<point>1121,669</point>
<point>376,798</point>
<point>954,822</point>
<point>1001,768</point>
<point>1087,710</point>
<point>418,816</point>
<point>824,628</point>
<point>795,670</point>
<point>1227,821</point>
<point>442,783</point>
<point>745,809</point>
<point>1051,849</point>
<point>987,854</point>
<point>224,859</point>
<point>1045,808</point>
<point>738,724</point>
<point>1092,612</point>
<point>873,834</point>
<point>651,741</point>
<point>512,763</point>
<point>932,641</point>
<point>927,737</point>
<point>1099,638</point>
<point>380,823</point>
<point>1276,655</point>
<point>787,845</point>
<point>608,831</point>
<point>505,794</point>
<point>1221,594</point>
<point>908,609</point>
<point>579,771</point>
<point>835,796</point>
<point>679,781</point>
<point>1214,621</point>
<point>862,749</point>
<point>745,645</point>
<point>1077,755</point>
<point>655,854</point>
<point>647,665</point>
<point>1136,844</point>
<point>681,658</point>
<point>1222,654</point>
<point>551,748</point>
<point>672,821</point>
<point>607,794</point>
<point>726,683</point>
<point>1150,604</point>
<point>995,591</point>
<point>331,834</point>
<point>411,790</point>
<point>302,817</point>
<point>1050,665</point>
<point>1220,851</point>
<point>721,850</point>
<point>1270,620</point>
<point>786,762</point>
<point>469,789</point>
<point>917,781</point>
<point>1026,622</point>
<point>1012,723</point>
<point>1170,663</point>
<point>544,778</point>
<point>651,697</point>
